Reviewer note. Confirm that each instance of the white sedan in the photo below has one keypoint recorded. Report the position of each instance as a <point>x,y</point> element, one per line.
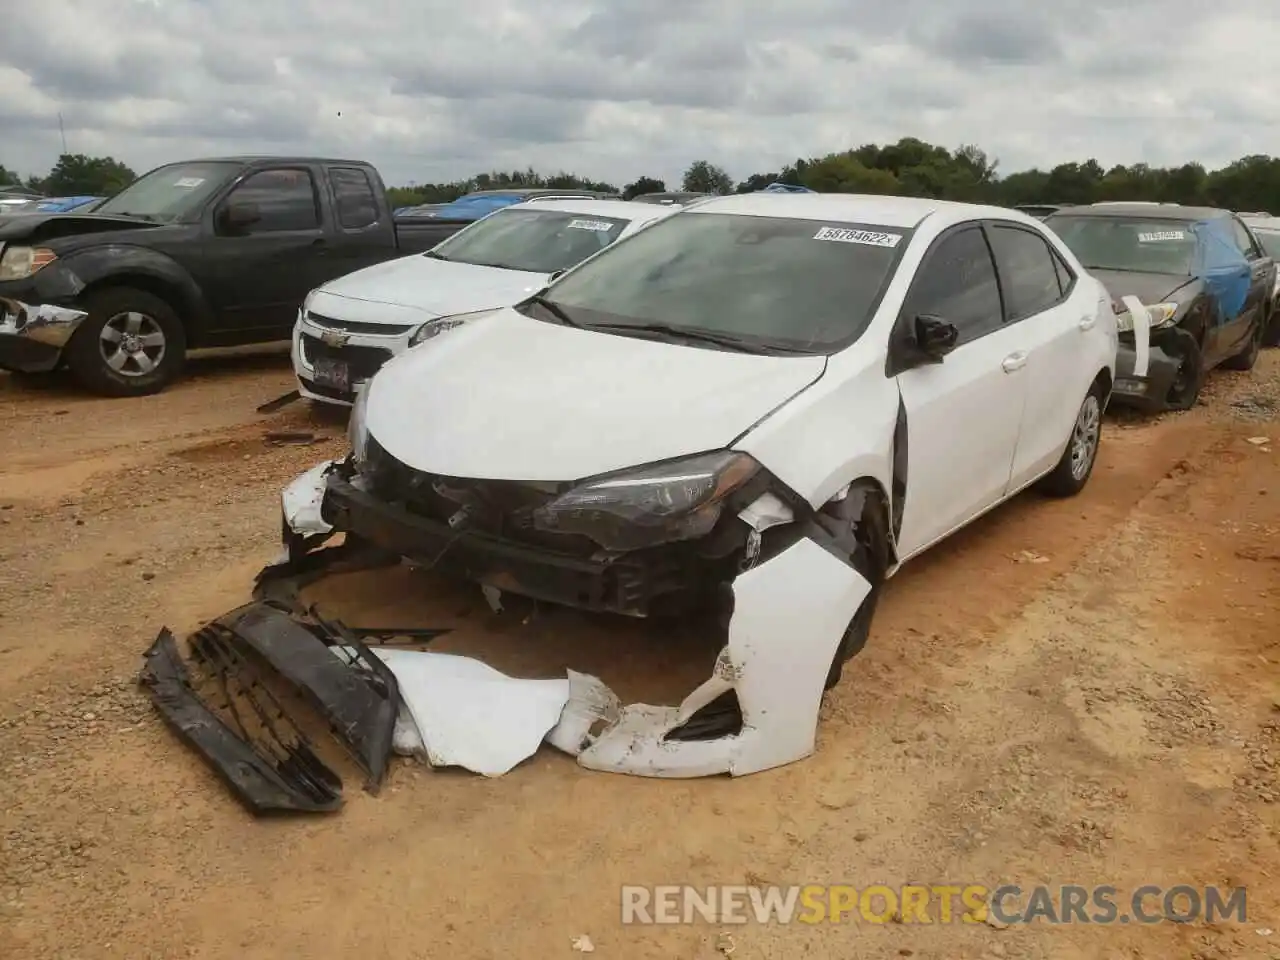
<point>349,327</point>
<point>766,402</point>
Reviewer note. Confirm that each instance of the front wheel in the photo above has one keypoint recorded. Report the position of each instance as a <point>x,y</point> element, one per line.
<point>1076,466</point>
<point>131,344</point>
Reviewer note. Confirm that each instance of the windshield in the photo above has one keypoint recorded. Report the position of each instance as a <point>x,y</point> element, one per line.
<point>1142,245</point>
<point>538,241</point>
<point>801,285</point>
<point>1270,241</point>
<point>170,193</point>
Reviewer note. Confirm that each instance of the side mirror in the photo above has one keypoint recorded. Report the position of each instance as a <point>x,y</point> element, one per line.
<point>935,337</point>
<point>239,214</point>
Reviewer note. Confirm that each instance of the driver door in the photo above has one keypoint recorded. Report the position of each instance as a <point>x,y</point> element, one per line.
<point>963,412</point>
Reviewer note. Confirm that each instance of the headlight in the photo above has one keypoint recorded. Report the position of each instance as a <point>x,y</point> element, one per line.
<point>18,263</point>
<point>647,506</point>
<point>433,328</point>
<point>357,429</point>
<point>1158,315</point>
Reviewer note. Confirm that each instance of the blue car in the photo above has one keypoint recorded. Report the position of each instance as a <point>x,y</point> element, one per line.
<point>66,204</point>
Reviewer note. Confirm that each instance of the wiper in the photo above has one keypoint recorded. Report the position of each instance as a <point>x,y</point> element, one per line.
<point>683,333</point>
<point>555,310</point>
<point>437,256</point>
<point>135,216</point>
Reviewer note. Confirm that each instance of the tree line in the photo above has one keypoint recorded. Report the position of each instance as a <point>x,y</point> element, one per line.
<point>909,167</point>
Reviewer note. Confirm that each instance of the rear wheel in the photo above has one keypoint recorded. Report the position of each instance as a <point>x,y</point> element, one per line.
<point>1076,466</point>
<point>131,344</point>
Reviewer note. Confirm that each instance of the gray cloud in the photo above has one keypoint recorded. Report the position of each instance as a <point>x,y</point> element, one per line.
<point>434,89</point>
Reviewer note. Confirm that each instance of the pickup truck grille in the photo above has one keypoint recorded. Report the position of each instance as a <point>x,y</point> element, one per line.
<point>359,326</point>
<point>362,362</point>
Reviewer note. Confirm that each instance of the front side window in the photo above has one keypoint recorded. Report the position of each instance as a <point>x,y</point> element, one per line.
<point>957,283</point>
<point>1138,244</point>
<point>1243,240</point>
<point>1027,272</point>
<point>170,193</point>
<point>537,241</point>
<point>1270,241</point>
<point>798,285</point>
<point>285,199</point>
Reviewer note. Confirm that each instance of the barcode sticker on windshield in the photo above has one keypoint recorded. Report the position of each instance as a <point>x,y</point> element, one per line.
<point>600,226</point>
<point>868,237</point>
<point>1161,235</point>
<point>188,182</point>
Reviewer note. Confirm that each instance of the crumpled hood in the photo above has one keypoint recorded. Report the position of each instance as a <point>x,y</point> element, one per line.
<point>506,397</point>
<point>437,286</point>
<point>1148,287</point>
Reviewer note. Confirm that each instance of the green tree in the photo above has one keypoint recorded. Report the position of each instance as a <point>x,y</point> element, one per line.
<point>705,177</point>
<point>9,178</point>
<point>642,186</point>
<point>75,174</point>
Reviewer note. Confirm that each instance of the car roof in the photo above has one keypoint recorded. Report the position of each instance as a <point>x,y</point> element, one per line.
<point>901,212</point>
<point>1262,223</point>
<point>1149,211</point>
<point>622,209</point>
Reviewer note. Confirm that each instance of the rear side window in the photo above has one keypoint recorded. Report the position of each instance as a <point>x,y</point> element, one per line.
<point>357,202</point>
<point>1027,271</point>
<point>957,282</point>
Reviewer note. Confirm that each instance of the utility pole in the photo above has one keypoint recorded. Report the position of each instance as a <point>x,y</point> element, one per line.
<point>63,133</point>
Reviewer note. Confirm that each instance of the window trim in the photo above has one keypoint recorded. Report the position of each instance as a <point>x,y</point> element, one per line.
<point>337,204</point>
<point>319,228</point>
<point>900,355</point>
<point>1255,249</point>
<point>1009,317</point>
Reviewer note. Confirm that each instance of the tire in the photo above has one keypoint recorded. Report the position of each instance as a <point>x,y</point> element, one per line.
<point>132,344</point>
<point>870,559</point>
<point>1076,466</point>
<point>1246,358</point>
<point>1271,335</point>
<point>1185,392</point>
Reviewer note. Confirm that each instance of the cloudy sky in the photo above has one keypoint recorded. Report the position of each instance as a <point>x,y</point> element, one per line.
<point>613,89</point>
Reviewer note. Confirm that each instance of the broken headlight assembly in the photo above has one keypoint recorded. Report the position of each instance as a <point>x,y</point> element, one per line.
<point>18,263</point>
<point>1159,316</point>
<point>650,505</point>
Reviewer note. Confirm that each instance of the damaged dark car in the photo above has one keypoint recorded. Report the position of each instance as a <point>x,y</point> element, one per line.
<point>1191,287</point>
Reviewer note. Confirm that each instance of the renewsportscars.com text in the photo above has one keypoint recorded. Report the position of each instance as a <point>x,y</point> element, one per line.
<point>1002,904</point>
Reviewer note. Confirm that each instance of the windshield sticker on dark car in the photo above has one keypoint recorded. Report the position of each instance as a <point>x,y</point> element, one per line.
<point>188,182</point>
<point>1161,236</point>
<point>599,226</point>
<point>867,237</point>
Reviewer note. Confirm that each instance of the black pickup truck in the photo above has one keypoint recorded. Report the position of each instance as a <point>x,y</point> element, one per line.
<point>203,253</point>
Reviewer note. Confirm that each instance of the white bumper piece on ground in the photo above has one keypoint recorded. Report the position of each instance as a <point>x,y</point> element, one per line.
<point>789,616</point>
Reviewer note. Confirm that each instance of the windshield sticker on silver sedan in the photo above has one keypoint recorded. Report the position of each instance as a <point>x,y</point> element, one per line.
<point>599,226</point>
<point>868,237</point>
<point>1160,236</point>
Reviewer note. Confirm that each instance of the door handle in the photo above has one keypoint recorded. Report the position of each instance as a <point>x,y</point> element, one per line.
<point>1087,322</point>
<point>1014,361</point>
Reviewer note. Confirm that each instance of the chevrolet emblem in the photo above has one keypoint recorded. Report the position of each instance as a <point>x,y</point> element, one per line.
<point>331,338</point>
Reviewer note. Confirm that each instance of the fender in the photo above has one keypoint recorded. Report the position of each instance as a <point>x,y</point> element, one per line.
<point>149,269</point>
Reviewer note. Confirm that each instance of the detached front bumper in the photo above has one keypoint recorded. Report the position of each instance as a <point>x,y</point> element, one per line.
<point>32,336</point>
<point>758,710</point>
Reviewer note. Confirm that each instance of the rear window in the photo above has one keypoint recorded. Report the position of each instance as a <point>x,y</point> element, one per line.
<point>356,201</point>
<point>1140,244</point>
<point>801,284</point>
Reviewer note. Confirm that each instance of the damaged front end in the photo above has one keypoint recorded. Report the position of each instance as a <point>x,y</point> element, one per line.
<point>660,539</point>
